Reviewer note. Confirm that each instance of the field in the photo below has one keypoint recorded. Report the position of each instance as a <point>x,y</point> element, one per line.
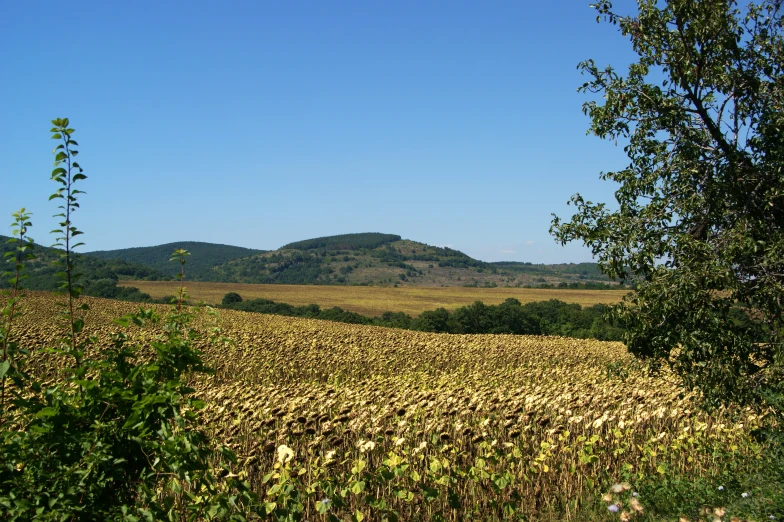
<point>373,301</point>
<point>359,422</point>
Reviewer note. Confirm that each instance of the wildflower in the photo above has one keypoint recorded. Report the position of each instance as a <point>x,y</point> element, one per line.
<point>719,512</point>
<point>635,505</point>
<point>721,488</point>
<point>285,454</point>
<point>635,494</point>
<point>607,497</point>
<point>613,508</point>
<point>744,495</point>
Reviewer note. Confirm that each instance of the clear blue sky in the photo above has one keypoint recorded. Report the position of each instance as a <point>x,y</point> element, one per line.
<point>259,123</point>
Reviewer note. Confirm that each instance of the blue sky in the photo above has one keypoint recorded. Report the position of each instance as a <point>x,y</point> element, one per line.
<point>261,123</point>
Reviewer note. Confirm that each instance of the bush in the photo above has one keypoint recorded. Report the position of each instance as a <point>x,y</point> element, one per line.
<point>231,298</point>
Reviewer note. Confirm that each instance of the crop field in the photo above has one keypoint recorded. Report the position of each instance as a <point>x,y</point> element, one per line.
<point>373,300</point>
<point>345,422</point>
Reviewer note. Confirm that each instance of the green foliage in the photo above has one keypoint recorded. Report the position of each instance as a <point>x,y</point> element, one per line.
<point>700,214</point>
<point>124,443</point>
<point>510,317</point>
<point>67,173</point>
<point>20,254</point>
<point>206,256</point>
<point>231,298</point>
<point>42,270</point>
<point>366,240</point>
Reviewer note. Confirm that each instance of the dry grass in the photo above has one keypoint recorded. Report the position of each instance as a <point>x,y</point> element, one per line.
<point>373,301</point>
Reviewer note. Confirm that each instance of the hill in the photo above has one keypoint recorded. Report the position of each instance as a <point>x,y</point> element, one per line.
<point>95,272</point>
<point>367,259</point>
<point>344,242</point>
<point>204,256</point>
<point>376,259</point>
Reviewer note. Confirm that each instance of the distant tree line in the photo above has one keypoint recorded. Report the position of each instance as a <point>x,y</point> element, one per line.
<point>552,317</point>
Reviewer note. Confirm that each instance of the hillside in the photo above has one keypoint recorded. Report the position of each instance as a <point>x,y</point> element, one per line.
<point>371,259</point>
<point>204,256</point>
<point>387,260</point>
<point>41,270</point>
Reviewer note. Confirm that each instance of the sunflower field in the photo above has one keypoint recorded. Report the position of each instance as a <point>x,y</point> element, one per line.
<point>332,421</point>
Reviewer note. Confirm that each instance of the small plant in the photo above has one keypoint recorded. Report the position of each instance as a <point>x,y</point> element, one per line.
<point>67,173</point>
<point>10,310</point>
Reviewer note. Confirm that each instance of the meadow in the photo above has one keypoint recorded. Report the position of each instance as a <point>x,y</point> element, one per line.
<point>373,300</point>
<point>343,422</point>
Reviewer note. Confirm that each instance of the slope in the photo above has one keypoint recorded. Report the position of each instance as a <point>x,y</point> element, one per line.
<point>204,256</point>
<point>376,259</point>
<point>95,271</point>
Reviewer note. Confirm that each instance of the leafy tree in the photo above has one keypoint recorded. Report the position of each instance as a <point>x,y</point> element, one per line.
<point>700,208</point>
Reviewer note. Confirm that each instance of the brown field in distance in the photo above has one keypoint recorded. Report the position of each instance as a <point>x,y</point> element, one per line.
<point>374,300</point>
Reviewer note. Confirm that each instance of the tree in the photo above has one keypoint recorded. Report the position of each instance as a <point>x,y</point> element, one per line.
<point>231,298</point>
<point>700,213</point>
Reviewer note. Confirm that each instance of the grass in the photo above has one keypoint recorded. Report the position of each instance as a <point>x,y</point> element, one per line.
<point>373,301</point>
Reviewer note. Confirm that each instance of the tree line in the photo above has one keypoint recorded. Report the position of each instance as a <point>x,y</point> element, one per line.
<point>551,317</point>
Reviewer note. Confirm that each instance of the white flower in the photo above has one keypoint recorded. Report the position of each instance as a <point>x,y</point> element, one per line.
<point>721,488</point>
<point>634,494</point>
<point>613,508</point>
<point>285,454</point>
<point>744,494</point>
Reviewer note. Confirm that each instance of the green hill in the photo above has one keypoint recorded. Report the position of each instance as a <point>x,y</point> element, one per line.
<point>370,258</point>
<point>95,271</point>
<point>344,242</point>
<point>204,256</point>
<point>385,259</point>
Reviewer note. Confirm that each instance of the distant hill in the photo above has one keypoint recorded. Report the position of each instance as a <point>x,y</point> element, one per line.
<point>204,256</point>
<point>370,258</point>
<point>344,242</point>
<point>387,260</point>
<point>41,271</point>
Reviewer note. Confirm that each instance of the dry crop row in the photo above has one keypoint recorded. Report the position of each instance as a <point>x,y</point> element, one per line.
<point>353,421</point>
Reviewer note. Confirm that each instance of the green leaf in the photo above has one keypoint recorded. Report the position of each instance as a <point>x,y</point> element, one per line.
<point>4,366</point>
<point>46,412</point>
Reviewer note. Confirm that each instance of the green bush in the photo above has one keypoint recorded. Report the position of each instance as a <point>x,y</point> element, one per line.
<point>231,298</point>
